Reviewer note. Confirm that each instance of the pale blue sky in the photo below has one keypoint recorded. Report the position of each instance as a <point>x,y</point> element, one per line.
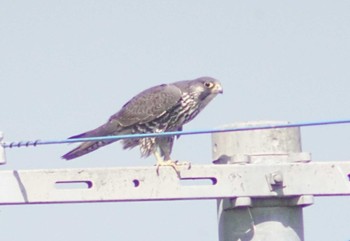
<point>66,66</point>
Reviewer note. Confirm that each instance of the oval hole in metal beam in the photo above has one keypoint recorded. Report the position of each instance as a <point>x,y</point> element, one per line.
<point>136,182</point>
<point>73,184</point>
<point>203,181</point>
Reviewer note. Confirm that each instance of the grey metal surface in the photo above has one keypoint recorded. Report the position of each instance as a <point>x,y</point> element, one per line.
<point>199,182</point>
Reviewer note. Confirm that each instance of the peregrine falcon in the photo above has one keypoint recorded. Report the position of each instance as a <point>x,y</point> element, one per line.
<point>161,108</point>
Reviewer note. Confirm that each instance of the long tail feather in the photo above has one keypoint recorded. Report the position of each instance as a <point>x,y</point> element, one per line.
<point>89,146</point>
<point>85,148</point>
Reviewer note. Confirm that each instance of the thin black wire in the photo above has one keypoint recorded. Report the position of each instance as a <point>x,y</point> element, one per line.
<point>173,133</point>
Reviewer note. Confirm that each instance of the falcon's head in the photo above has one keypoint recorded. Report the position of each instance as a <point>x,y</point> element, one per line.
<point>204,89</point>
<point>201,90</point>
<point>206,86</point>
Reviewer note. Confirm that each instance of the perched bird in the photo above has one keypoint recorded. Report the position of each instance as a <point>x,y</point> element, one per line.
<point>161,108</point>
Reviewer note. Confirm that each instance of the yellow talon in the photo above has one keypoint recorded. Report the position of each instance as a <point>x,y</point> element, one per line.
<point>171,163</point>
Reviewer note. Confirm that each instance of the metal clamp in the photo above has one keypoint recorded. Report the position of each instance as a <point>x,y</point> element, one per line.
<point>2,150</point>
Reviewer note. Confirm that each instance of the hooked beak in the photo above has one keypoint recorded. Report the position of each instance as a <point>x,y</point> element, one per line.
<point>218,89</point>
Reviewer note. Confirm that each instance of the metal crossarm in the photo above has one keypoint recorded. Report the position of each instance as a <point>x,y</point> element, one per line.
<point>261,181</point>
<point>198,182</point>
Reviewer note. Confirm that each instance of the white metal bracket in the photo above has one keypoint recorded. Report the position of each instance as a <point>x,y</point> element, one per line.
<point>199,182</point>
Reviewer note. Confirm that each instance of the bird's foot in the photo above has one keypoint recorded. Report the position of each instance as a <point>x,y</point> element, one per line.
<point>174,164</point>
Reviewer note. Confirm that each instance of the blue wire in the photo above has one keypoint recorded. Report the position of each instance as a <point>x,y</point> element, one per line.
<point>173,133</point>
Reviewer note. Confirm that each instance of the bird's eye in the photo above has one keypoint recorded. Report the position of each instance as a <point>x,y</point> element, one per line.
<point>208,84</point>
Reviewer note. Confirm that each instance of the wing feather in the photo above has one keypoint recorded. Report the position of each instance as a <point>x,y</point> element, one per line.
<point>148,105</point>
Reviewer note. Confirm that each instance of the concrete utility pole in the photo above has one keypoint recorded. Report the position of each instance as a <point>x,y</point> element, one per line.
<point>260,218</point>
